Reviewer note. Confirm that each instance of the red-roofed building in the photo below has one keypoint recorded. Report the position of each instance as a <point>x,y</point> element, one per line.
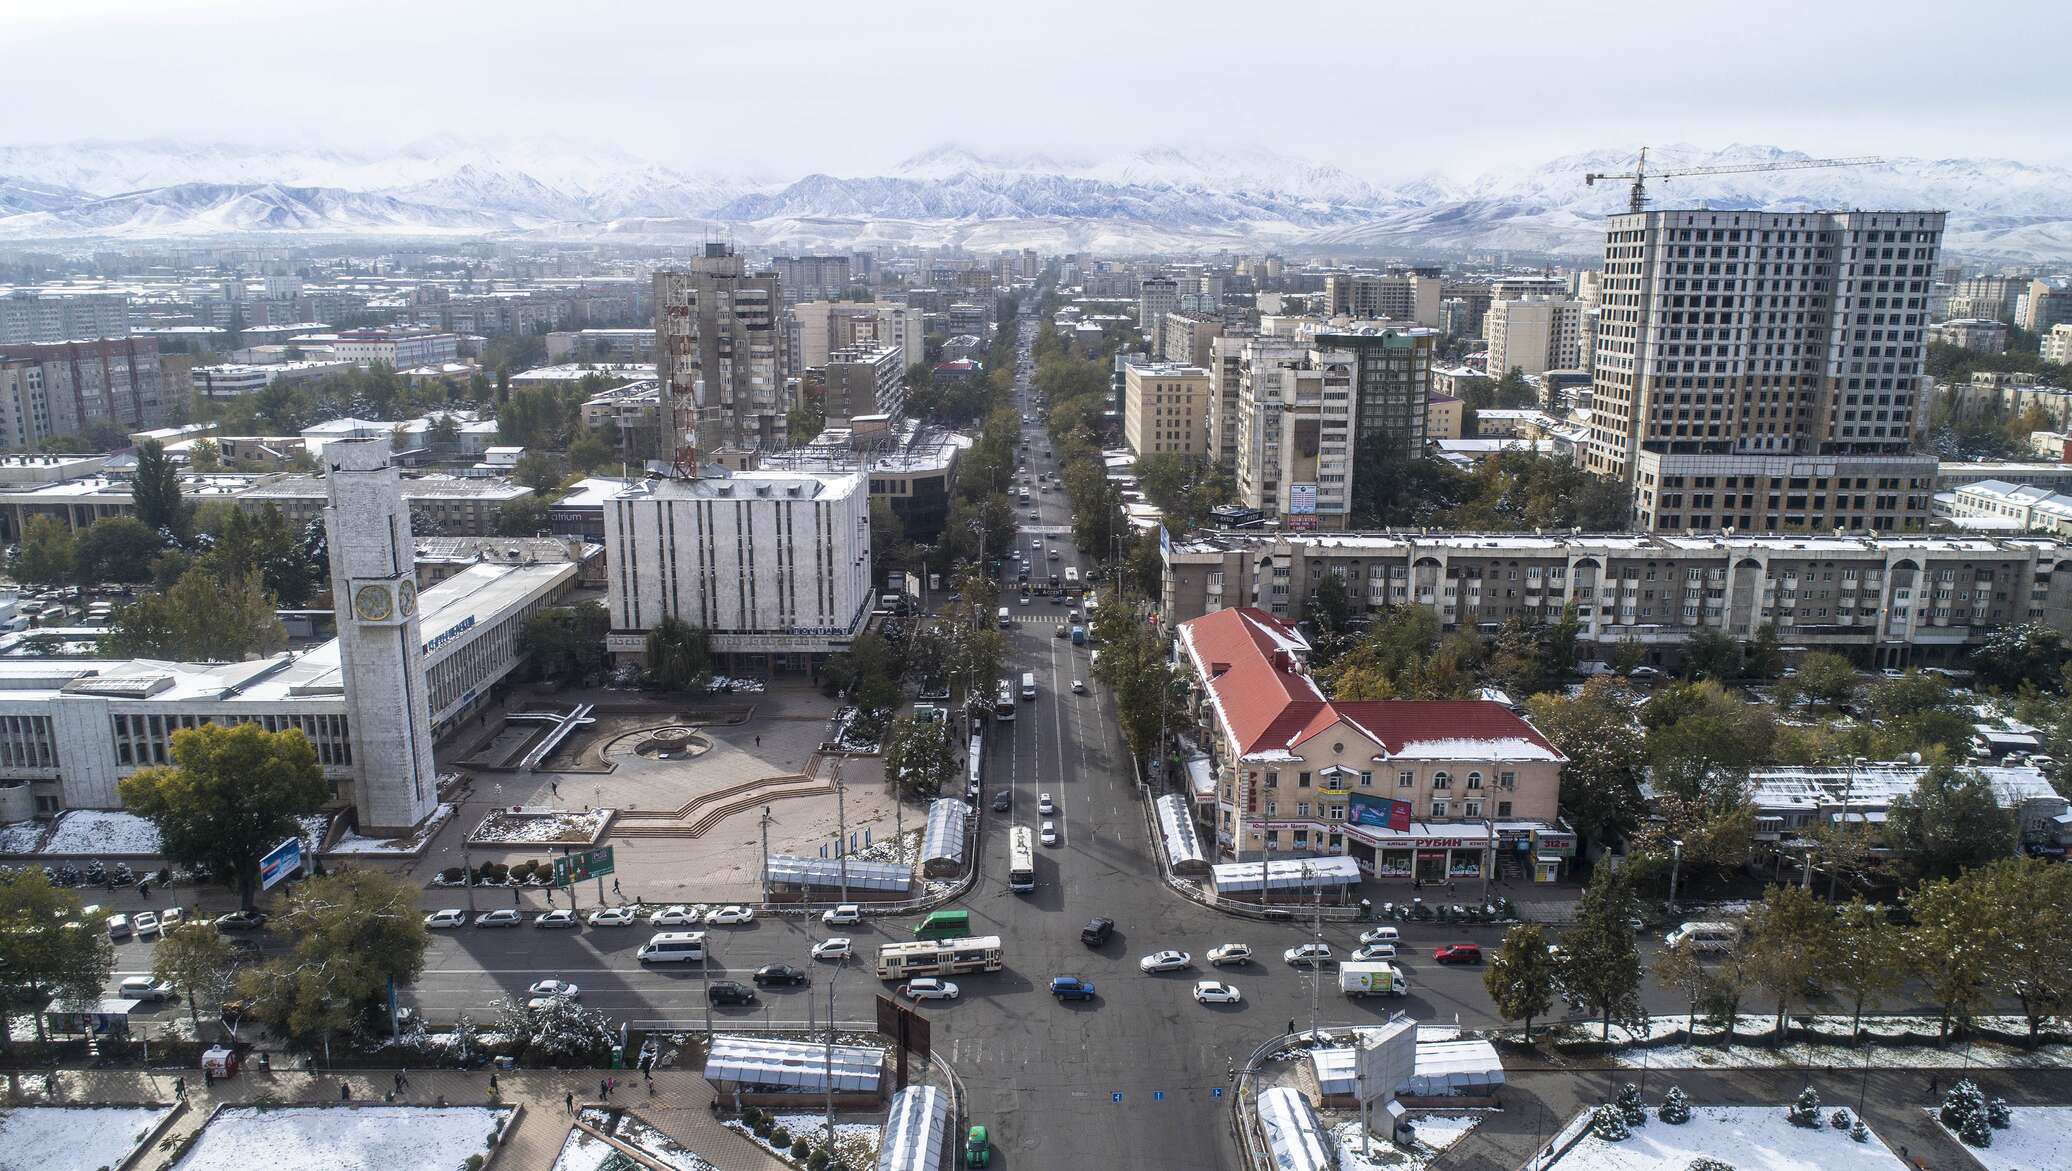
<point>1430,789</point>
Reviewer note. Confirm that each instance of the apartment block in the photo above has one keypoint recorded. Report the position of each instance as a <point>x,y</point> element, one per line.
<point>821,327</point>
<point>1156,297</point>
<point>2047,304</point>
<point>1226,355</point>
<point>1882,601</point>
<point>28,317</point>
<point>720,355</point>
<point>1991,297</point>
<point>71,388</point>
<point>1392,376</point>
<point>1980,335</point>
<point>1165,409</point>
<point>1407,297</point>
<point>1768,366</point>
<point>864,380</point>
<point>811,278</point>
<point>1533,335</point>
<point>1186,337</point>
<point>2056,345</point>
<point>1295,419</point>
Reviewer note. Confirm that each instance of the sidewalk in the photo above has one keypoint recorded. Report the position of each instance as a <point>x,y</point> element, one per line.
<point>679,1106</point>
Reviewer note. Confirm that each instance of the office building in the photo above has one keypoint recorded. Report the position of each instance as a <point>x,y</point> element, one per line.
<point>1294,424</point>
<point>773,565</point>
<point>110,385</point>
<point>909,466</point>
<point>33,317</point>
<point>1165,409</point>
<point>1777,393</point>
<point>1533,334</point>
<point>1428,790</point>
<point>1883,601</point>
<point>1156,297</point>
<point>720,350</point>
<point>1408,298</point>
<point>2047,304</point>
<point>1392,375</point>
<point>399,349</point>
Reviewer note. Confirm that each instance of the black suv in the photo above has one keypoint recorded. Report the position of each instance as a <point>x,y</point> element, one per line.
<point>1096,932</point>
<point>729,992</point>
<point>779,974</point>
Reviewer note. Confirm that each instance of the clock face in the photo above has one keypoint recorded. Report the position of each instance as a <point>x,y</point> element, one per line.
<point>372,603</point>
<point>406,598</point>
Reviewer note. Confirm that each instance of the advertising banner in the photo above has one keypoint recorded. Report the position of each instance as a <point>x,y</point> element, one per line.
<point>1378,812</point>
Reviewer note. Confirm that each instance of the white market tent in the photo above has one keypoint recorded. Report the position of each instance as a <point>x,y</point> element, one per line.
<point>1176,828</point>
<point>942,847</point>
<point>1443,1067</point>
<point>1293,1134</point>
<point>1287,875</point>
<point>787,870</point>
<point>795,1066</point>
<point>915,1131</point>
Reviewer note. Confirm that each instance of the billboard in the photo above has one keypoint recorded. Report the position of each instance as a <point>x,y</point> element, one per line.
<point>1302,499</point>
<point>571,868</point>
<point>1378,812</point>
<point>280,863</point>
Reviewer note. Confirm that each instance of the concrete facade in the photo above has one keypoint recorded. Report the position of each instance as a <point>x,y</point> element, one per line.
<point>720,355</point>
<point>1165,409</point>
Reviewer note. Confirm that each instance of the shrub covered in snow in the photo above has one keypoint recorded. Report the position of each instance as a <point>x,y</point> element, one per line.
<point>1676,1107</point>
<point>1839,1120</point>
<point>1998,1116</point>
<point>1609,1124</point>
<point>1805,1111</point>
<point>1961,1105</point>
<point>1630,1107</point>
<point>1860,1132</point>
<point>1704,1164</point>
<point>558,1030</point>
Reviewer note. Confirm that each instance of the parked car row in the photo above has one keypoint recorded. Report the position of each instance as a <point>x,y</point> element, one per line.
<point>735,916</point>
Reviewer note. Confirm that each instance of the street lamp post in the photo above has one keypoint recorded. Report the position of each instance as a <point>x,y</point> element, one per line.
<point>1834,870</point>
<point>1675,866</point>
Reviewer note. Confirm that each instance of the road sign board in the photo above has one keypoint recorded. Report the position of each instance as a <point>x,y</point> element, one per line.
<point>1215,1091</point>
<point>1116,1096</point>
<point>282,862</point>
<point>574,868</point>
<point>1158,1095</point>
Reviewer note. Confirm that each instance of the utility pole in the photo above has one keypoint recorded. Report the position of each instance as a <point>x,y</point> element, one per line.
<point>762,882</point>
<point>467,879</point>
<point>841,827</point>
<point>705,986</point>
<point>1675,865</point>
<point>1488,856</point>
<point>830,1059</point>
<point>1834,871</point>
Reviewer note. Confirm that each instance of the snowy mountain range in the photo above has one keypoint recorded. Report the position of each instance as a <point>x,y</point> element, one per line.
<point>1160,199</point>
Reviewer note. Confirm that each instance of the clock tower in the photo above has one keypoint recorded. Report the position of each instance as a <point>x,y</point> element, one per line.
<point>381,652</point>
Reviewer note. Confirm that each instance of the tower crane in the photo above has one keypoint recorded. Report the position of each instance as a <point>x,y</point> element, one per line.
<point>1638,200</point>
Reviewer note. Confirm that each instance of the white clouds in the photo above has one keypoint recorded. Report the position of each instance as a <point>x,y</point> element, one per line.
<point>1384,90</point>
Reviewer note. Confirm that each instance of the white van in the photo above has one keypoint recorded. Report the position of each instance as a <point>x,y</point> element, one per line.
<point>665,947</point>
<point>1028,685</point>
<point>1004,619</point>
<point>1705,936</point>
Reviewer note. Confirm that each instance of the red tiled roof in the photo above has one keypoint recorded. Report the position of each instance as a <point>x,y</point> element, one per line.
<point>1270,703</point>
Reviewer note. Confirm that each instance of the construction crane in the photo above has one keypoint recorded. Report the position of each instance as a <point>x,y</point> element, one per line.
<point>1638,200</point>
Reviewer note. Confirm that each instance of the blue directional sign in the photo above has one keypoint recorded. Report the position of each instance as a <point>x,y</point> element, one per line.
<point>1158,1095</point>
<point>280,862</point>
<point>1116,1096</point>
<point>1215,1091</point>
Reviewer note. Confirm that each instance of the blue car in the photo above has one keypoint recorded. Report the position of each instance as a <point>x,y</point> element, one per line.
<point>1071,988</point>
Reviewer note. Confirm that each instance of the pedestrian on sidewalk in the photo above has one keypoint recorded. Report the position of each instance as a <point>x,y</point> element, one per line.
<point>179,1087</point>
<point>1291,1024</point>
<point>345,1091</point>
<point>144,890</point>
<point>759,740</point>
<point>569,1099</point>
<point>514,897</point>
<point>1931,1086</point>
<point>492,1083</point>
<point>615,888</point>
<point>604,1088</point>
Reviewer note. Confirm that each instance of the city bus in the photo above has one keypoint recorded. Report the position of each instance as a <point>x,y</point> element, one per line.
<point>938,957</point>
<point>974,765</point>
<point>1021,859</point>
<point>1003,708</point>
<point>1071,577</point>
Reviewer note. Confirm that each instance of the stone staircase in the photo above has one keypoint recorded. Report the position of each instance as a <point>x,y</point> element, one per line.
<point>694,817</point>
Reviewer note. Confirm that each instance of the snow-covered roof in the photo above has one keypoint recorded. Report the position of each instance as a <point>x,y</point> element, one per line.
<point>796,1065</point>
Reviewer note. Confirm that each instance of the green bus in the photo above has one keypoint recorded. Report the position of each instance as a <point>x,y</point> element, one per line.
<point>944,925</point>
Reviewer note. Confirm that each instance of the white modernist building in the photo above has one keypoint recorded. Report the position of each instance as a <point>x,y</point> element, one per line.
<point>774,565</point>
<point>407,665</point>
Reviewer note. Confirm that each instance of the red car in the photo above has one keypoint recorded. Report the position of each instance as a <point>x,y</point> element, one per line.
<point>1458,953</point>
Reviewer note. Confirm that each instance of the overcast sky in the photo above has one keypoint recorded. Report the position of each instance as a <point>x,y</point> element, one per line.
<point>1386,89</point>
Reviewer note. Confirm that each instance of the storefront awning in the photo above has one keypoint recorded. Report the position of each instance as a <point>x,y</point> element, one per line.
<point>1421,835</point>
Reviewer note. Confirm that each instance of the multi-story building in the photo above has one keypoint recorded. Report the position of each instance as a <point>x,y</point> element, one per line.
<point>1897,601</point>
<point>1189,338</point>
<point>720,354</point>
<point>774,566</point>
<point>1792,801</point>
<point>1413,790</point>
<point>601,345</point>
<point>238,379</point>
<point>1763,370</point>
<point>1392,374</point>
<point>1407,298</point>
<point>2047,304</point>
<point>1991,297</point>
<point>1980,335</point>
<point>30,317</point>
<point>443,506</point>
<point>1294,427</point>
<point>1165,409</point>
<point>1156,297</point>
<point>117,384</point>
<point>2056,346</point>
<point>399,349</point>
<point>909,466</point>
<point>1517,288</point>
<point>1226,363</point>
<point>811,278</point>
<point>1533,335</point>
<point>866,379</point>
<point>1442,416</point>
<point>821,327</point>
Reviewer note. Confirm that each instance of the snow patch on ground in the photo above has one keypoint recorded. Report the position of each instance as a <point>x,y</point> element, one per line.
<point>585,1152</point>
<point>352,843</point>
<point>1983,1054</point>
<point>2038,1139</point>
<point>856,1142</point>
<point>1749,1138</point>
<point>90,832</point>
<point>74,1138</point>
<point>1434,1135</point>
<point>505,827</point>
<point>20,837</point>
<point>342,1138</point>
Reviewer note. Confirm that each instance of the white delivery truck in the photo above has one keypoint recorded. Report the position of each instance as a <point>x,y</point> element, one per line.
<point>1357,979</point>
